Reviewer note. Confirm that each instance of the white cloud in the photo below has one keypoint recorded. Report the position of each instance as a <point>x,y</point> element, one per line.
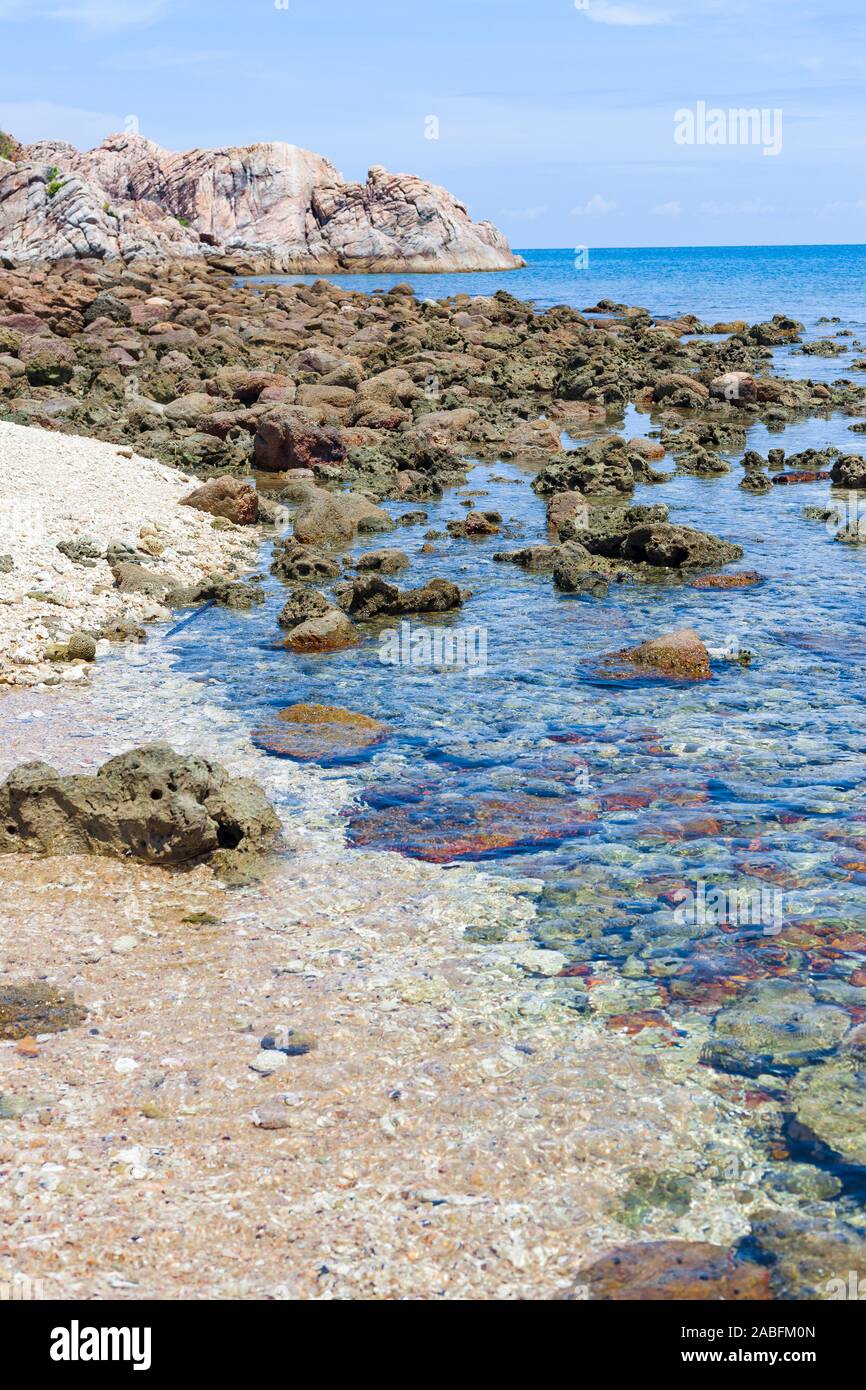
<point>597,206</point>
<point>672,209</point>
<point>859,205</point>
<point>624,16</point>
<point>97,16</point>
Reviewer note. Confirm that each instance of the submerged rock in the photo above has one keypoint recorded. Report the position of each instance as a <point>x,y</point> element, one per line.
<point>316,732</point>
<point>383,561</point>
<point>828,1099</point>
<point>809,1256</point>
<point>779,1016</point>
<point>27,1010</point>
<point>738,579</point>
<point>150,803</point>
<point>671,1270</point>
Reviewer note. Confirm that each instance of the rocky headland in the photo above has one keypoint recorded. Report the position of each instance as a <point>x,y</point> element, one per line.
<point>266,207</point>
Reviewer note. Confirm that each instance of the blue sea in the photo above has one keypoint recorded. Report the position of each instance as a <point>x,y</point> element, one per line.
<point>715,282</point>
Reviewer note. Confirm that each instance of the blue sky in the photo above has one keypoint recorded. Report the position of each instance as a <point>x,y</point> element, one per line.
<point>556,118</point>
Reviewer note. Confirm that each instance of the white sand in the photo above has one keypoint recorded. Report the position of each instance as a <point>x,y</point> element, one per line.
<point>57,487</point>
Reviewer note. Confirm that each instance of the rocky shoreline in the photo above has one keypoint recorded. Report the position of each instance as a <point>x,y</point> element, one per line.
<point>335,1046</point>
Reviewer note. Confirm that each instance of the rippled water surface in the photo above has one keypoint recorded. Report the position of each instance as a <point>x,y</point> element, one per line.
<point>626,802</point>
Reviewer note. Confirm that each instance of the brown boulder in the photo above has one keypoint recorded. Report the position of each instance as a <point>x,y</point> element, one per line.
<point>335,518</point>
<point>330,632</point>
<point>671,1271</point>
<point>286,439</point>
<point>681,654</point>
<point>226,497</point>
<point>308,732</point>
<point>740,579</point>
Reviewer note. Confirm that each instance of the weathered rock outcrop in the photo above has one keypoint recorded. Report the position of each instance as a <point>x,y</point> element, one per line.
<point>272,202</point>
<point>371,597</point>
<point>150,803</point>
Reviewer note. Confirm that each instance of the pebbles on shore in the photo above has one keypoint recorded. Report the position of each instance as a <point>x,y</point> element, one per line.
<point>94,502</point>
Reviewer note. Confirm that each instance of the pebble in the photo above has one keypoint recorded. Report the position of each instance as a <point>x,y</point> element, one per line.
<point>268,1062</point>
<point>124,944</point>
<point>271,1114</point>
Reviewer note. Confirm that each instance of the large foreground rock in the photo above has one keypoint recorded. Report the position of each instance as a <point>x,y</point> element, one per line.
<point>150,803</point>
<point>129,198</point>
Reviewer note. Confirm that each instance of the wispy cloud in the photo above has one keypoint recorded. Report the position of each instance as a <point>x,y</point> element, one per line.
<point>48,120</point>
<point>96,16</point>
<point>597,206</point>
<point>159,59</point>
<point>672,209</point>
<point>858,205</point>
<point>624,16</point>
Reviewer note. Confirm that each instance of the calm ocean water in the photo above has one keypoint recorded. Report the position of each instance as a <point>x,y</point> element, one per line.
<point>713,282</point>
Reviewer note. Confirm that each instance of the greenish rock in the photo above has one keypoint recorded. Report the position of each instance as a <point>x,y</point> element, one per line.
<point>651,1192</point>
<point>81,647</point>
<point>780,1017</point>
<point>829,1100</point>
<point>802,1180</point>
<point>27,1010</point>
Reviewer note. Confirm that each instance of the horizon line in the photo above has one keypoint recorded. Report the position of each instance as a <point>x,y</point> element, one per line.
<point>712,246</point>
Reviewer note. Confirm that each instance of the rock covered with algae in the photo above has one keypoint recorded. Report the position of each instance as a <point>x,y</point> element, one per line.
<point>150,803</point>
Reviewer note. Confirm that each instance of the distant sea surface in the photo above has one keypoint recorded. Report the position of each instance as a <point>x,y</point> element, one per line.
<point>714,282</point>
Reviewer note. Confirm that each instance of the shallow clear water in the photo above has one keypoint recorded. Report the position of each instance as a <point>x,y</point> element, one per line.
<point>620,798</point>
